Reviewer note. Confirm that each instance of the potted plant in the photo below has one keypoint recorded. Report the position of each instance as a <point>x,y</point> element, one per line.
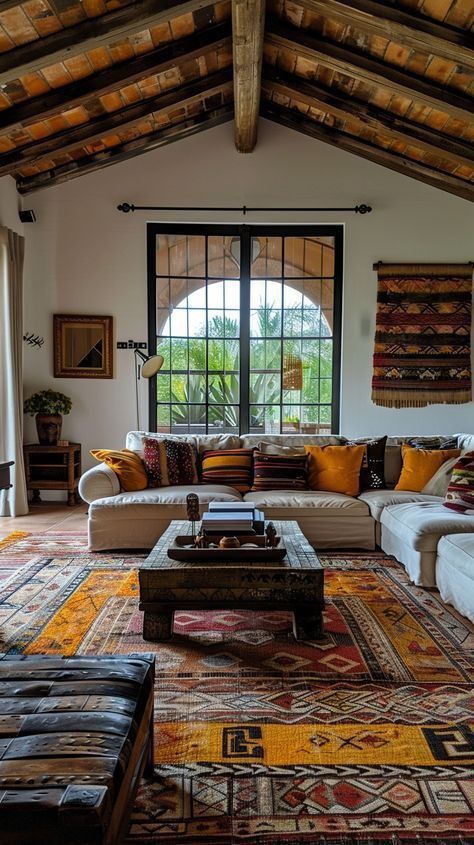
<point>48,406</point>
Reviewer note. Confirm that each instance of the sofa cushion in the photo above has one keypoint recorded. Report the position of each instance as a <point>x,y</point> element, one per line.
<point>279,472</point>
<point>295,441</point>
<point>317,501</point>
<point>460,492</point>
<point>466,443</point>
<point>175,495</point>
<point>419,465</point>
<point>335,468</point>
<point>421,525</point>
<point>455,572</point>
<point>439,483</point>
<point>276,449</point>
<point>202,442</point>
<point>377,500</point>
<point>169,462</point>
<point>458,550</point>
<point>228,466</point>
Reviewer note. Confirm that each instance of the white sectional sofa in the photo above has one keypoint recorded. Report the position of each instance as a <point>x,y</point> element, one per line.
<point>408,525</point>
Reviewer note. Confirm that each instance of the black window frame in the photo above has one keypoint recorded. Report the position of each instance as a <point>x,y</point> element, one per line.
<point>246,232</point>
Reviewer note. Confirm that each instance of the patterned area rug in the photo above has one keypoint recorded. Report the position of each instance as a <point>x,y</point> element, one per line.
<point>362,737</point>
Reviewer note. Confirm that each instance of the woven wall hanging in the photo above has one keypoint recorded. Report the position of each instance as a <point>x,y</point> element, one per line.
<point>422,350</point>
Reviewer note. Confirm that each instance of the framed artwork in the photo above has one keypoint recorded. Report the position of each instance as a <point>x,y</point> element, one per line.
<point>83,346</point>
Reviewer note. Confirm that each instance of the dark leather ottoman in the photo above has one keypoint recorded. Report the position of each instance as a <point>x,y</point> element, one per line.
<point>76,733</point>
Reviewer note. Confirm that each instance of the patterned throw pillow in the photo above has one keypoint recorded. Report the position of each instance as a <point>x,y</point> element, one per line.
<point>169,462</point>
<point>228,466</point>
<point>279,472</point>
<point>432,443</point>
<point>372,471</point>
<point>460,495</point>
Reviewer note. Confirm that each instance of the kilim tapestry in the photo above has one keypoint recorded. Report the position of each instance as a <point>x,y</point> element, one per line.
<point>361,738</point>
<point>422,350</point>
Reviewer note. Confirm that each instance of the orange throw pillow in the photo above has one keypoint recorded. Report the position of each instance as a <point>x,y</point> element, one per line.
<point>419,466</point>
<point>335,469</point>
<point>127,465</point>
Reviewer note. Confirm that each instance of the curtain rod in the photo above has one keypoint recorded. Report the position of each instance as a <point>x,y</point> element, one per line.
<point>126,207</point>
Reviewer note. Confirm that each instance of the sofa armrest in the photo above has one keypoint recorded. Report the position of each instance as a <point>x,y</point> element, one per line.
<point>100,482</point>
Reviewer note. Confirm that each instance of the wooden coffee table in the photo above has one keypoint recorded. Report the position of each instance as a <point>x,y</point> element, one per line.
<point>297,584</point>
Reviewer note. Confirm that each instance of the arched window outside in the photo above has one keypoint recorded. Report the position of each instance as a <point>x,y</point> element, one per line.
<point>249,328</point>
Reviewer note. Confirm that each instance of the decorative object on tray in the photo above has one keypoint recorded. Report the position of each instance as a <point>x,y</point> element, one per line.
<point>48,406</point>
<point>422,353</point>
<point>192,510</point>
<point>270,533</point>
<point>252,548</point>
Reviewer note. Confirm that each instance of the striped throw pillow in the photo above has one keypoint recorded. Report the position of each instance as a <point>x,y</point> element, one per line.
<point>228,466</point>
<point>279,472</point>
<point>460,495</point>
<point>169,462</point>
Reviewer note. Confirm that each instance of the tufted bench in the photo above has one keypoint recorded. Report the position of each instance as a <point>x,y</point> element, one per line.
<point>75,736</point>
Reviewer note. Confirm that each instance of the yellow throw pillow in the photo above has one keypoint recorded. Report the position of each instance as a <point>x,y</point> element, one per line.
<point>419,465</point>
<point>127,465</point>
<point>335,469</point>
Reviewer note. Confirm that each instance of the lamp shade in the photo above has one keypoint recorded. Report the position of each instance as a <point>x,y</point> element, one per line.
<point>151,366</point>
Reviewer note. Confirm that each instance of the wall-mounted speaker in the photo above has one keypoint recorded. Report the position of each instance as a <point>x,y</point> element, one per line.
<point>27,216</point>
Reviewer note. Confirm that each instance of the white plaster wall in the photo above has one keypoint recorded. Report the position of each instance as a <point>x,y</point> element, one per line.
<point>9,204</point>
<point>83,256</point>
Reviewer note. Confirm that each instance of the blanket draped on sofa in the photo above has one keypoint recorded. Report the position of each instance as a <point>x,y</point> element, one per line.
<point>422,350</point>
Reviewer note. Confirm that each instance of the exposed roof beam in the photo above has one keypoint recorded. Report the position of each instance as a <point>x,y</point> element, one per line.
<point>248,20</point>
<point>367,69</point>
<point>347,107</point>
<point>124,118</point>
<point>117,76</point>
<point>91,33</point>
<point>140,145</point>
<point>294,120</point>
<point>396,24</point>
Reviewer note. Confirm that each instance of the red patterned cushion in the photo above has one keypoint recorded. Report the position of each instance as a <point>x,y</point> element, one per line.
<point>279,472</point>
<point>460,495</point>
<point>169,462</point>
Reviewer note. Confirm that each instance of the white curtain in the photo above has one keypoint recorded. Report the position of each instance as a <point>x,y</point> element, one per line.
<point>12,248</point>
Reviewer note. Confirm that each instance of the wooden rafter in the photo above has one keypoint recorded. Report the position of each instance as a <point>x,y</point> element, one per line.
<point>367,69</point>
<point>395,24</point>
<point>176,132</point>
<point>346,107</point>
<point>117,76</point>
<point>295,120</point>
<point>92,33</point>
<point>248,20</point>
<point>64,142</point>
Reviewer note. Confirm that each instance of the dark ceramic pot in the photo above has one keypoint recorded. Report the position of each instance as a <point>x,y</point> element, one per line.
<point>48,427</point>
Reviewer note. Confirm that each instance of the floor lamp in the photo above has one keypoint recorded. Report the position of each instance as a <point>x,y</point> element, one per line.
<point>147,366</point>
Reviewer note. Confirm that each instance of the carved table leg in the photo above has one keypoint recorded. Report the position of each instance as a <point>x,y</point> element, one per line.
<point>308,625</point>
<point>157,626</point>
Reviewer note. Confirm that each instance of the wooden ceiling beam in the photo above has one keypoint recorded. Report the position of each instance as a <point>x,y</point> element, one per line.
<point>248,21</point>
<point>295,120</point>
<point>346,107</point>
<point>394,23</point>
<point>63,142</point>
<point>92,33</point>
<point>89,164</point>
<point>115,77</point>
<point>367,69</point>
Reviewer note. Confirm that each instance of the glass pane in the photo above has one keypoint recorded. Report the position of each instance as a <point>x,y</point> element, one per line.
<point>326,390</point>
<point>231,294</point>
<point>215,360</point>
<point>326,323</point>
<point>162,322</point>
<point>224,256</point>
<point>291,419</point>
<point>215,323</point>
<point>196,322</point>
<point>326,359</point>
<point>197,388</point>
<point>179,323</point>
<point>266,257</point>
<point>187,255</point>
<point>325,418</point>
<point>264,419</point>
<point>163,383</point>
<point>197,354</point>
<point>163,347</point>
<point>310,420</point>
<point>179,388</point>
<point>179,354</point>
<point>163,416</point>
<point>308,257</point>
<point>232,354</point>
<point>232,323</point>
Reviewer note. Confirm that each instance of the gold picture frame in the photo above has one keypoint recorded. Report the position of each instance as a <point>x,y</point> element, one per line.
<point>83,346</point>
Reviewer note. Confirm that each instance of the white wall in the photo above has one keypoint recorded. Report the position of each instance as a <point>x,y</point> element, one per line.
<point>83,256</point>
<point>9,204</point>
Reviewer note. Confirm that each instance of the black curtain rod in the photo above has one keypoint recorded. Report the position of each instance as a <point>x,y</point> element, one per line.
<point>126,207</point>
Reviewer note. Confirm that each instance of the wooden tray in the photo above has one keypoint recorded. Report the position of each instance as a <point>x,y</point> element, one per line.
<point>181,550</point>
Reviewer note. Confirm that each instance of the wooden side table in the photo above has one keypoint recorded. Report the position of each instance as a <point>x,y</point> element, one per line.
<point>53,468</point>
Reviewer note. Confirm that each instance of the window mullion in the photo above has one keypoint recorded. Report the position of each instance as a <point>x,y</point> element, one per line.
<point>245,257</point>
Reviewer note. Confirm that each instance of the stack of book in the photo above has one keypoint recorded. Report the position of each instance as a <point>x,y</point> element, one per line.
<point>233,518</point>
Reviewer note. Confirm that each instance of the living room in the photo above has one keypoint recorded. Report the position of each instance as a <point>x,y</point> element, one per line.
<point>267,728</point>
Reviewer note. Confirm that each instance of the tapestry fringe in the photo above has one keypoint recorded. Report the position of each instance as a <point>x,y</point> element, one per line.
<point>387,398</point>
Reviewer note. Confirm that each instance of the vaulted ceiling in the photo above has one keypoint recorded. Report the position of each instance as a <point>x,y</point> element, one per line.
<point>87,83</point>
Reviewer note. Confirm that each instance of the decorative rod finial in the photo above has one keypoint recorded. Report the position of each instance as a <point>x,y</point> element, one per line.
<point>126,207</point>
<point>361,209</point>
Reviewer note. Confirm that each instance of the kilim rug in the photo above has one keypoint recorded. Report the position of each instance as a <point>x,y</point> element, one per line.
<point>362,737</point>
<point>422,352</point>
